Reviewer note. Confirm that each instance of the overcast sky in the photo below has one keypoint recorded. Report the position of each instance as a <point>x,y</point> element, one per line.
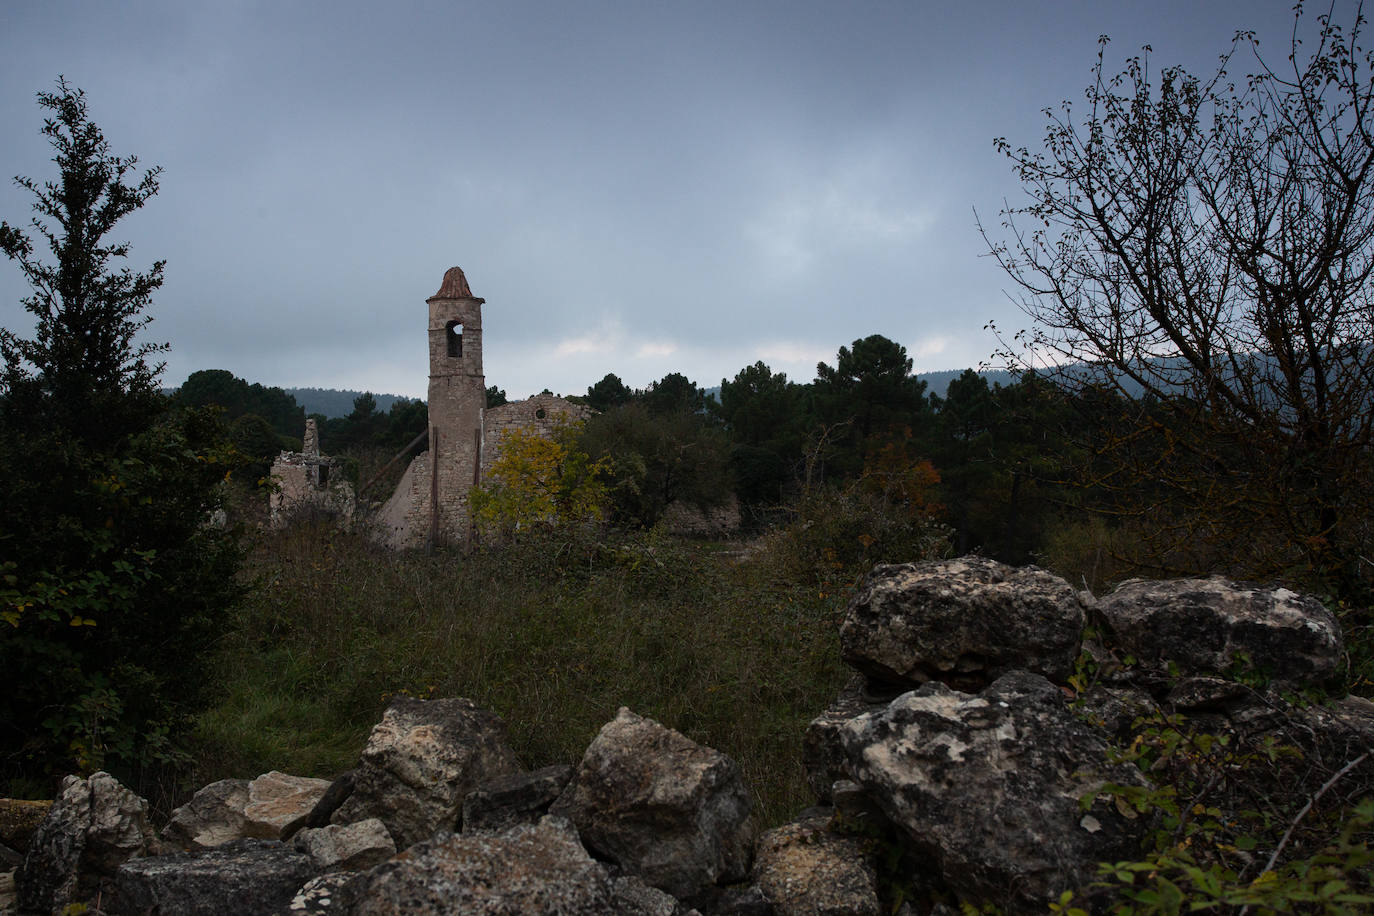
<point>633,187</point>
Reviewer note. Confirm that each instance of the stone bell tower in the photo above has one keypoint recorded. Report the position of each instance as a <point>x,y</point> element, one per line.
<point>457,396</point>
<point>430,506</point>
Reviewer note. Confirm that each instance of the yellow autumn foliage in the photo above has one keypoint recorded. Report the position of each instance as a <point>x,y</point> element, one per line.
<point>540,480</point>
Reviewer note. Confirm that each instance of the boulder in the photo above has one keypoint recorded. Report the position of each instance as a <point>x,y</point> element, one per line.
<point>243,877</point>
<point>529,869</point>
<point>1216,627</point>
<point>823,755</point>
<point>964,622</point>
<point>660,806</point>
<point>630,896</point>
<point>213,817</point>
<point>805,870</point>
<point>520,798</point>
<point>93,826</point>
<point>351,847</point>
<point>420,762</point>
<point>279,804</point>
<point>987,788</point>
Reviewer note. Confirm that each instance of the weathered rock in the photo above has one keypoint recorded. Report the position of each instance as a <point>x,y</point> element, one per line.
<point>9,859</point>
<point>963,622</point>
<point>351,847</point>
<point>739,900</point>
<point>214,816</point>
<point>520,798</point>
<point>1208,627</point>
<point>420,762</point>
<point>805,870</point>
<point>279,804</point>
<point>529,869</point>
<point>7,892</point>
<point>630,896</point>
<point>823,755</point>
<point>987,787</point>
<point>93,826</point>
<point>239,878</point>
<point>18,821</point>
<point>332,893</point>
<point>329,802</point>
<point>1114,709</point>
<point>660,806</point>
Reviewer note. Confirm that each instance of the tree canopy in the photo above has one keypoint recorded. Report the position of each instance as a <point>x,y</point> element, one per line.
<point>1205,246</point>
<point>111,582</point>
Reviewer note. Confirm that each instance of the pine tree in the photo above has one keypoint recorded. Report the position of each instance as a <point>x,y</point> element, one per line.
<point>110,580</point>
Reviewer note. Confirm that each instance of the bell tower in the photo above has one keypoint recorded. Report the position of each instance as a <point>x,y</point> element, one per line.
<point>457,397</point>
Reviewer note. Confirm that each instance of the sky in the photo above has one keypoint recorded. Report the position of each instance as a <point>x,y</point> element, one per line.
<point>633,187</point>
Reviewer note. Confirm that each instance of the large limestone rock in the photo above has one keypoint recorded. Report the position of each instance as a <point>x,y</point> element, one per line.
<point>987,787</point>
<point>520,798</point>
<point>353,847</point>
<point>279,804</point>
<point>807,871</point>
<point>1214,626</point>
<point>964,622</point>
<point>240,878</point>
<point>213,817</point>
<point>93,826</point>
<point>823,755</point>
<point>660,806</point>
<point>271,807</point>
<point>530,869</point>
<point>421,760</point>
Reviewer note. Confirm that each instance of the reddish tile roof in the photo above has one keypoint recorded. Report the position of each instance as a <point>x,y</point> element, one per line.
<point>455,285</point>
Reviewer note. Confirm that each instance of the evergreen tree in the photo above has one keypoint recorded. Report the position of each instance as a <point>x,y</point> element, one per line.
<point>110,579</point>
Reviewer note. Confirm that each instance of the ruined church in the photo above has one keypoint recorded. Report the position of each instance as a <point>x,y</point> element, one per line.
<point>430,504</point>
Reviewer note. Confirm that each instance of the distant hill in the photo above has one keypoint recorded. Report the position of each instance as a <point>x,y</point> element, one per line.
<point>333,402</point>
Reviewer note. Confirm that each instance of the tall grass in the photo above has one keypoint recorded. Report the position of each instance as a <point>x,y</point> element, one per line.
<point>555,633</point>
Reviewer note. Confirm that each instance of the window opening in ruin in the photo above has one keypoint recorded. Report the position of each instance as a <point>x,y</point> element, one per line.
<point>322,480</point>
<point>455,338</point>
<point>540,414</point>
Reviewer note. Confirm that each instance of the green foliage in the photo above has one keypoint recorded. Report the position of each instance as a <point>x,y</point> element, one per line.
<point>221,388</point>
<point>869,392</point>
<point>674,394</point>
<point>838,535</point>
<point>609,392</point>
<point>112,582</point>
<point>653,460</point>
<point>554,631</point>
<point>1242,821</point>
<point>540,480</point>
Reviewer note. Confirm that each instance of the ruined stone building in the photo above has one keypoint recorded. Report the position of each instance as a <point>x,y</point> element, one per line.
<point>309,481</point>
<point>430,504</point>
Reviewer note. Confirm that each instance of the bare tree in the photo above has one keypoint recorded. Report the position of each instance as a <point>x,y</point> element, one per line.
<point>1206,248</point>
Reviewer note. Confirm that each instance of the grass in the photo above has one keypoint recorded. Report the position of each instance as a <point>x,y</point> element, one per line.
<point>554,634</point>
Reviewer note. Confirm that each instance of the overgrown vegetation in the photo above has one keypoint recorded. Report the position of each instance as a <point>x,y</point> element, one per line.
<point>554,630</point>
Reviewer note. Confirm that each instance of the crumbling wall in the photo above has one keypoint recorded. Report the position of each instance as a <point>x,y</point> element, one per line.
<point>540,414</point>
<point>308,481</point>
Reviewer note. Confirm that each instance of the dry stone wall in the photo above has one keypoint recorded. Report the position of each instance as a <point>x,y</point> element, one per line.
<point>982,785</point>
